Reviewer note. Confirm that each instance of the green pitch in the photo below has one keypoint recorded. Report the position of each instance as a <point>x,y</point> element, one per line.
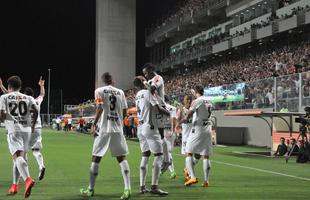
<point>233,176</point>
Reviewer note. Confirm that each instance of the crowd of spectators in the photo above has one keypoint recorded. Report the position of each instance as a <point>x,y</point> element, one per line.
<point>217,38</point>
<point>184,8</point>
<point>282,61</point>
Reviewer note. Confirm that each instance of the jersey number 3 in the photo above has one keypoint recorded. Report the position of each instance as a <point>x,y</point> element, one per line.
<point>112,100</point>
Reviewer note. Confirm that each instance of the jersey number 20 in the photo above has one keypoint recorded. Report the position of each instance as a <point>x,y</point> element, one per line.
<point>21,107</point>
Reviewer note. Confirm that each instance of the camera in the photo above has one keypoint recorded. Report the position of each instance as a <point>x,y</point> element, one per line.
<point>302,121</point>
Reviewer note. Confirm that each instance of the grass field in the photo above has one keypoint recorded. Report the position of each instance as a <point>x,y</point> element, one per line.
<point>233,176</point>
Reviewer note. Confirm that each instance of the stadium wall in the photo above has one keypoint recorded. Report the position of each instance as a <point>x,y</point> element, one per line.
<point>254,131</point>
<point>116,41</point>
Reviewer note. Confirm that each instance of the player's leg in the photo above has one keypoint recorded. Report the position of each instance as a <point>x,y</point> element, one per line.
<point>100,147</point>
<point>166,162</point>
<point>206,170</point>
<point>93,173</point>
<point>22,167</point>
<point>126,176</point>
<point>155,143</point>
<point>16,176</point>
<point>143,171</point>
<point>146,153</point>
<point>171,141</point>
<point>119,149</point>
<point>207,152</point>
<point>36,144</point>
<point>191,148</point>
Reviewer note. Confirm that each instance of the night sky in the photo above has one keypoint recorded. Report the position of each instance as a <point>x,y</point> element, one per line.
<point>60,34</point>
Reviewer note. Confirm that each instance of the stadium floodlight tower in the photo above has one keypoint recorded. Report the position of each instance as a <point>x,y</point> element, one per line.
<point>116,41</point>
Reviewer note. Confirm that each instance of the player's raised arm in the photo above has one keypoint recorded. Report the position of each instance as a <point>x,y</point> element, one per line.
<point>3,89</point>
<point>42,89</point>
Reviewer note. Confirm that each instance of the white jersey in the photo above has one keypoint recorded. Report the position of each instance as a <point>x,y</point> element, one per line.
<point>113,101</point>
<point>202,108</point>
<point>38,101</point>
<point>172,110</point>
<point>158,82</point>
<point>17,107</point>
<point>144,102</point>
<point>187,126</point>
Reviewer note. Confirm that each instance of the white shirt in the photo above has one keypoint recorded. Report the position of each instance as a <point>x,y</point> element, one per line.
<point>38,101</point>
<point>17,107</point>
<point>202,111</point>
<point>186,127</point>
<point>113,101</point>
<point>144,103</point>
<point>69,121</point>
<point>58,120</point>
<point>172,110</point>
<point>158,82</point>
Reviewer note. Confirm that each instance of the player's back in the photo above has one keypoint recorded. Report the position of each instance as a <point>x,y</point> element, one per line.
<point>144,102</point>
<point>202,108</point>
<point>17,107</point>
<point>113,101</point>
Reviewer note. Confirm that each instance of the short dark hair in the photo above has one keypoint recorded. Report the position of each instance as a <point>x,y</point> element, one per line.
<point>28,91</point>
<point>138,82</point>
<point>199,89</point>
<point>107,78</point>
<point>149,67</point>
<point>15,82</point>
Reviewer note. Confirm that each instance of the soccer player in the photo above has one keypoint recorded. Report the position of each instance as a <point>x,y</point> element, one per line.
<point>36,138</point>
<point>199,140</point>
<point>170,134</point>
<point>156,85</point>
<point>111,108</point>
<point>149,137</point>
<point>16,109</point>
<point>186,130</point>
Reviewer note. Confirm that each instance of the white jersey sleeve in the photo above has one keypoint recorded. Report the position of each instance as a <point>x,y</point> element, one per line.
<point>2,103</point>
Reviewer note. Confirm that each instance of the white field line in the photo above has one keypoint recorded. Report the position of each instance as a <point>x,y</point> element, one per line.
<point>256,169</point>
<point>251,168</point>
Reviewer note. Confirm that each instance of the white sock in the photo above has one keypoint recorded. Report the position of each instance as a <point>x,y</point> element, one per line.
<point>143,170</point>
<point>126,174</point>
<point>165,150</point>
<point>190,166</point>
<point>16,174</point>
<point>38,156</point>
<point>206,168</point>
<point>22,167</point>
<point>171,167</point>
<point>94,168</point>
<point>158,160</point>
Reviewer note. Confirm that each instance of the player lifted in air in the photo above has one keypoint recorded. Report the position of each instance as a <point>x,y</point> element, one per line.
<point>20,114</point>
<point>170,134</point>
<point>149,137</point>
<point>111,107</point>
<point>186,130</point>
<point>199,140</point>
<point>156,85</point>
